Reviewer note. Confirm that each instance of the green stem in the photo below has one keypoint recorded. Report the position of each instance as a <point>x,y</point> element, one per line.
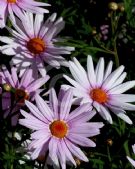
<point>108,153</point>
<point>103,47</point>
<point>116,54</point>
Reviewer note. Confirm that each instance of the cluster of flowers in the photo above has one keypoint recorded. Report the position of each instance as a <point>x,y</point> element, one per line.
<point>54,126</point>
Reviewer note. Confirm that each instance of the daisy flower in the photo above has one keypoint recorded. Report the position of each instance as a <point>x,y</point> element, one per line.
<point>17,91</point>
<point>33,43</point>
<point>59,131</point>
<point>17,7</point>
<point>130,159</point>
<point>102,88</point>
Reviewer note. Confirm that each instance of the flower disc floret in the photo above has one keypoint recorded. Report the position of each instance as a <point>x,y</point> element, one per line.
<point>59,129</point>
<point>36,45</point>
<point>21,95</point>
<point>99,95</point>
<point>11,1</point>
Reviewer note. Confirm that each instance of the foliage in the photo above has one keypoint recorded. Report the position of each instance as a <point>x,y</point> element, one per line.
<point>83,30</point>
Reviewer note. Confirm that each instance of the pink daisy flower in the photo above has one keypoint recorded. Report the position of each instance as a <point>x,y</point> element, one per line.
<point>59,131</point>
<point>33,43</point>
<point>102,88</point>
<point>17,91</point>
<point>130,159</point>
<point>17,7</point>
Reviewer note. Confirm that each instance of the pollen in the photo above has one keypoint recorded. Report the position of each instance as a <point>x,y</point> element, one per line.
<point>59,129</point>
<point>11,1</point>
<point>21,95</point>
<point>99,95</point>
<point>36,46</point>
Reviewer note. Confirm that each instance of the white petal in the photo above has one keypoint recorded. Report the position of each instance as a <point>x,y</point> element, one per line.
<point>44,108</point>
<point>74,83</point>
<point>112,78</point>
<point>123,87</point>
<point>67,152</point>
<point>41,67</point>
<point>133,147</point>
<point>38,22</point>
<point>131,161</point>
<point>83,108</point>
<point>120,79</point>
<point>53,102</point>
<point>65,105</point>
<point>125,118</point>
<point>120,113</point>
<point>108,69</point>
<point>6,39</point>
<point>62,155</point>
<point>99,72</point>
<point>80,140</point>
<point>104,112</point>
<point>83,72</point>
<point>77,74</point>
<point>123,105</point>
<point>36,112</point>
<point>123,97</point>
<point>76,151</point>
<point>53,143</point>
<point>91,73</point>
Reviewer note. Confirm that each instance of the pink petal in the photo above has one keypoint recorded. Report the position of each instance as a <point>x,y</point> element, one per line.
<point>66,104</point>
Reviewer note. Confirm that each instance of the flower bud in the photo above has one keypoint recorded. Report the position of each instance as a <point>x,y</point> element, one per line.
<point>7,87</point>
<point>121,7</point>
<point>113,6</point>
<point>109,142</point>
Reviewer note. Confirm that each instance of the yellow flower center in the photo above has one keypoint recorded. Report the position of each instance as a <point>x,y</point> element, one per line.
<point>11,1</point>
<point>21,95</point>
<point>99,95</point>
<point>59,129</point>
<point>36,45</point>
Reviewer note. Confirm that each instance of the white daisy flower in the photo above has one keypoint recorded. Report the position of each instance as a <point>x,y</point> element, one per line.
<point>33,43</point>
<point>102,88</point>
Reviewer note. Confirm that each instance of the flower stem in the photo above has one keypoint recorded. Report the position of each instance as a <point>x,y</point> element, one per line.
<point>116,55</point>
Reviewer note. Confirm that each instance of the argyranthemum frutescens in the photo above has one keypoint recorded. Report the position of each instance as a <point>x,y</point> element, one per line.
<point>33,43</point>
<point>17,7</point>
<point>16,90</point>
<point>58,130</point>
<point>102,88</point>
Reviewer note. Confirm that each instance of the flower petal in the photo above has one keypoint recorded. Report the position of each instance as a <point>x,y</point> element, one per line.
<point>91,72</point>
<point>76,151</point>
<point>66,104</point>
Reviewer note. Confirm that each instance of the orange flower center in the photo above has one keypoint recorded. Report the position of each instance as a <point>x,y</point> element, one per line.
<point>21,95</point>
<point>59,128</point>
<point>11,1</point>
<point>99,95</point>
<point>36,45</point>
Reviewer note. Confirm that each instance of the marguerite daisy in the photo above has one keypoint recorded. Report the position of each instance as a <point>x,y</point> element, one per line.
<point>59,131</point>
<point>33,43</point>
<point>16,90</point>
<point>102,88</point>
